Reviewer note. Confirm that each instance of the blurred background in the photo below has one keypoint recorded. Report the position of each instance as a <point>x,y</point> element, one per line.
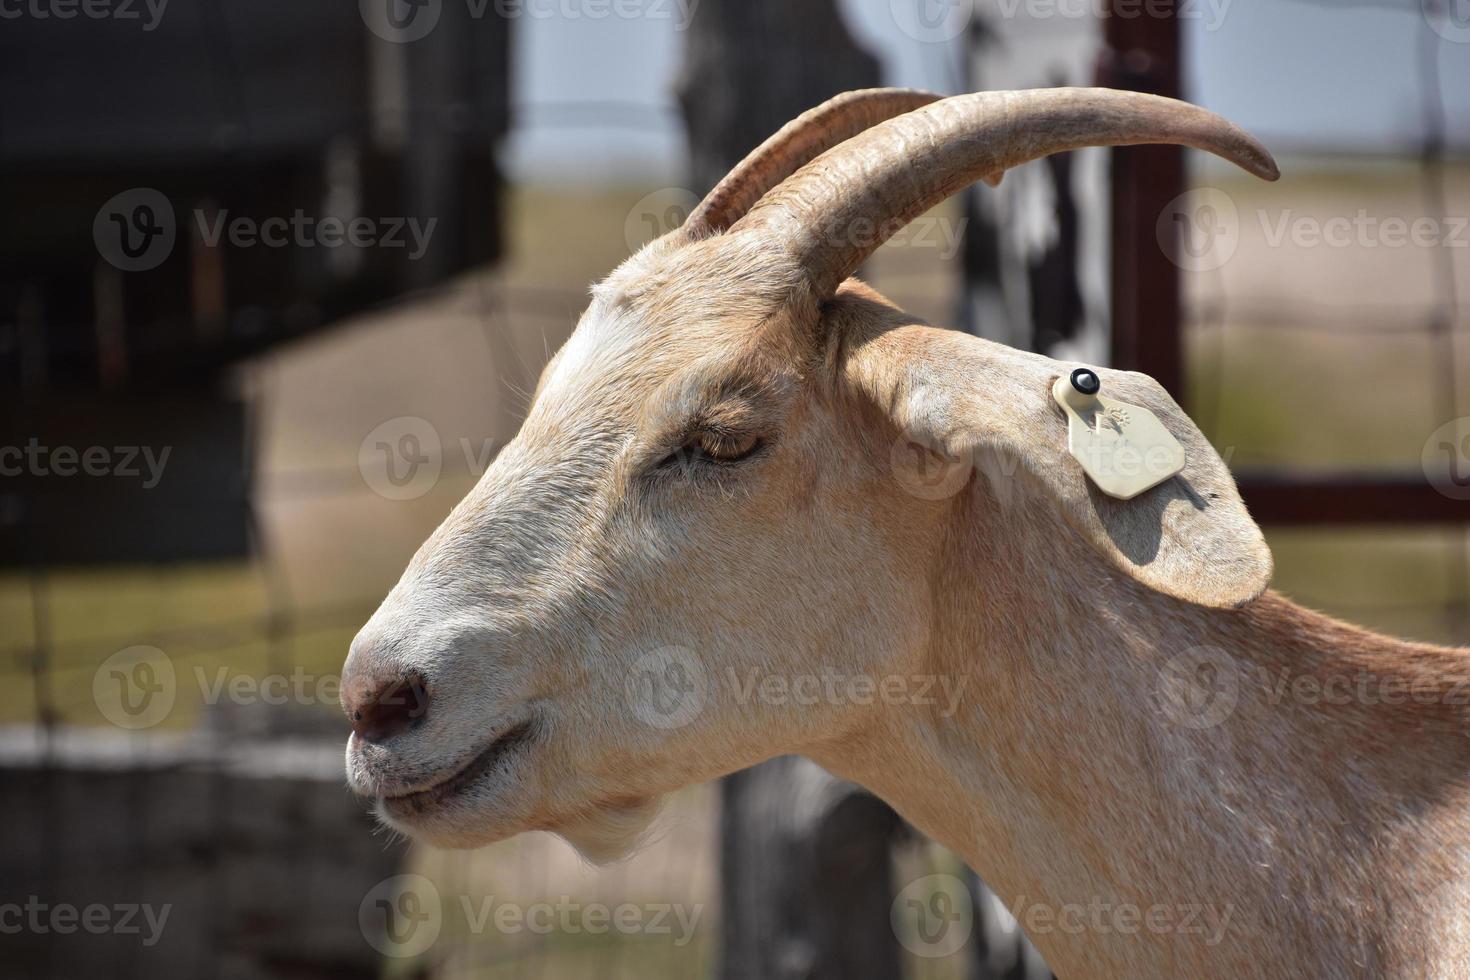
<point>275,279</point>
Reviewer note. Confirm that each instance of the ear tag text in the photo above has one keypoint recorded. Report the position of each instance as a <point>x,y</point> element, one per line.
<point>1123,448</point>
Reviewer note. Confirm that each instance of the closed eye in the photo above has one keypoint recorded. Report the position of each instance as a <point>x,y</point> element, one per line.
<point>715,446</point>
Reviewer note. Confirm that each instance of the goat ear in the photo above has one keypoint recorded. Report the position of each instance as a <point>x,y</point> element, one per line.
<point>1189,537</point>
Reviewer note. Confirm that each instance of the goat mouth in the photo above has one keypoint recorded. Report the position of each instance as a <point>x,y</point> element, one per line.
<point>480,766</point>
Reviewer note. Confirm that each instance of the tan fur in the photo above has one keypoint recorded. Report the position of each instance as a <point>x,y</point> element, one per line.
<point>1329,836</point>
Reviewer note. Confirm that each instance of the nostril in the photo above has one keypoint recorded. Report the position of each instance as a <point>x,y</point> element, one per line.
<point>391,710</point>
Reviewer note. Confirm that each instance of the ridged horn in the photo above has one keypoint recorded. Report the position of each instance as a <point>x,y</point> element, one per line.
<point>836,210</point>
<point>800,141</point>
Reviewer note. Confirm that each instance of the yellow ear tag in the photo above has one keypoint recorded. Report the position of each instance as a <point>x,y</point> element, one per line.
<point>1125,449</point>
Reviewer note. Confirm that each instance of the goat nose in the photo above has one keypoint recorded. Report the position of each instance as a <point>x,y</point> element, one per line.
<point>388,709</point>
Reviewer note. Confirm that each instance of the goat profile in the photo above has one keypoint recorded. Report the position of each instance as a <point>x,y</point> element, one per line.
<point>712,543</point>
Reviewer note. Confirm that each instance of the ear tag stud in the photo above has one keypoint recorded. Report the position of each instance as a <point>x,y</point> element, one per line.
<point>1125,449</point>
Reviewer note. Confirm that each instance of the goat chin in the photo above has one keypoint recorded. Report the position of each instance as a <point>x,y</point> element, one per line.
<point>612,831</point>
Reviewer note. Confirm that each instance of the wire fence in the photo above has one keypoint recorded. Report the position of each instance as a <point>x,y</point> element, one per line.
<point>272,869</point>
<point>1228,317</point>
<point>239,822</point>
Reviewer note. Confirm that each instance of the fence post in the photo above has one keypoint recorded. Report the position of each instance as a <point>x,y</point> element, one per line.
<point>1143,55</point>
<point>805,876</point>
<point>805,871</point>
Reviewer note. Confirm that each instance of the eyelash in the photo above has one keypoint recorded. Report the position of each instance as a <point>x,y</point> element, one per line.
<point>715,448</point>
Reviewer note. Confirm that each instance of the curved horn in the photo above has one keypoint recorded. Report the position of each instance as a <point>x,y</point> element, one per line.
<point>835,211</point>
<point>800,141</point>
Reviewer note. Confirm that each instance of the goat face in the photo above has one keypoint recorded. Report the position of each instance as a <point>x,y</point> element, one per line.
<point>671,521</point>
<point>703,496</point>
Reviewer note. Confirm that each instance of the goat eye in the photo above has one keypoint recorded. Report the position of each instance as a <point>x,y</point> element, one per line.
<point>724,448</point>
<point>713,447</point>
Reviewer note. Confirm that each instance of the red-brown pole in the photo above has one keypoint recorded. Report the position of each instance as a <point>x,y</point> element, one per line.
<point>1143,55</point>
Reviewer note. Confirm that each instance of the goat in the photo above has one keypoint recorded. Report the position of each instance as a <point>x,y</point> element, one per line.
<point>711,502</point>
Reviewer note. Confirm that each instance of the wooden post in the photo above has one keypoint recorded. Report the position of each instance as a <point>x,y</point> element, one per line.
<point>1143,56</point>
<point>805,871</point>
<point>805,877</point>
<point>750,66</point>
